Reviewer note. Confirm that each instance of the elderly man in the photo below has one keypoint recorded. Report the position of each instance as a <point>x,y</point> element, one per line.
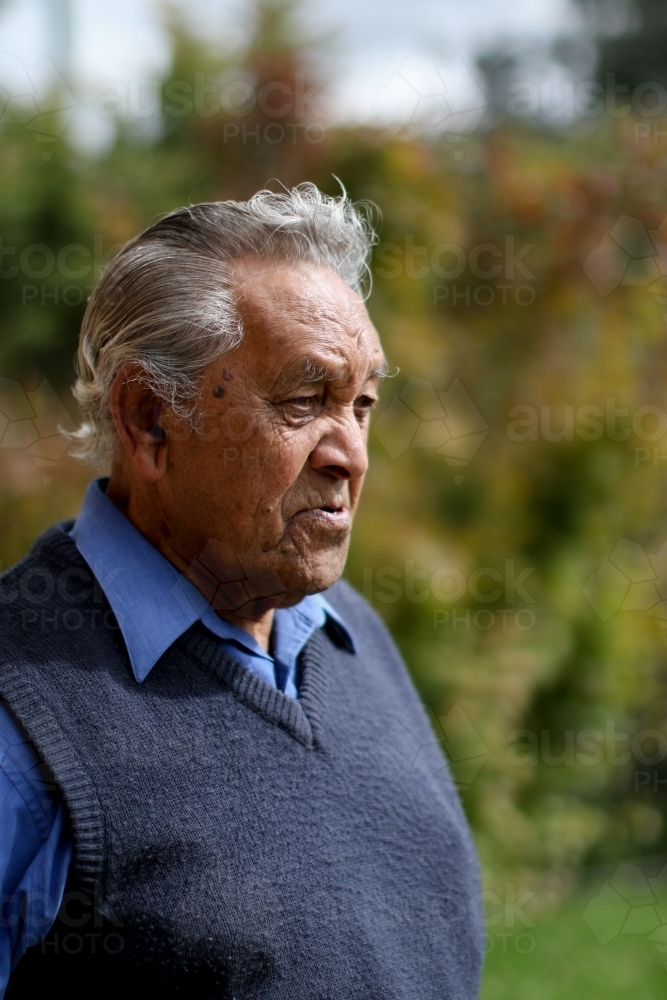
<point>216,777</point>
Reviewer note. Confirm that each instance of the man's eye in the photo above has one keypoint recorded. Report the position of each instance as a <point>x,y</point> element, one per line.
<point>301,406</point>
<point>303,402</point>
<point>364,405</point>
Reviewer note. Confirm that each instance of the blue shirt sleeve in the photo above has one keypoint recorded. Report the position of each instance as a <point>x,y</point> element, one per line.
<point>35,847</point>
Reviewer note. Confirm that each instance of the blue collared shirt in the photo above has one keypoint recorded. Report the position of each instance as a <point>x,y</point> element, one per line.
<point>154,604</point>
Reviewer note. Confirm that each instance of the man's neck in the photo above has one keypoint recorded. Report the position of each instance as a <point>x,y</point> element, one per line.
<point>259,628</point>
<point>257,621</point>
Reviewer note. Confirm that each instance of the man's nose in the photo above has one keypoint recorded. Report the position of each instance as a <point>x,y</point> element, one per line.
<point>341,452</point>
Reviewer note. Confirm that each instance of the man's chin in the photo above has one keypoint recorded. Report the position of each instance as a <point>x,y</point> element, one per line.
<point>303,580</point>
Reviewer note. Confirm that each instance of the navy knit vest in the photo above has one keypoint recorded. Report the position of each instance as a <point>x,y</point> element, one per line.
<point>231,842</point>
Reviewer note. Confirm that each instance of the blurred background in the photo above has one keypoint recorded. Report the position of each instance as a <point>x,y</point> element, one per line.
<point>513,531</point>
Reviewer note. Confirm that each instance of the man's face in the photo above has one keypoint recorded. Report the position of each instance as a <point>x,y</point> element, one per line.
<point>271,479</point>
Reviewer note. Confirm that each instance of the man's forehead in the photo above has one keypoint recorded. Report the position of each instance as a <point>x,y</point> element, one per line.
<point>307,323</point>
<point>298,288</point>
<point>317,351</point>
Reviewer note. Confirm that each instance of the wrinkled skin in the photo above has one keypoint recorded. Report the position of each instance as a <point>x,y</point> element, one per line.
<point>256,504</point>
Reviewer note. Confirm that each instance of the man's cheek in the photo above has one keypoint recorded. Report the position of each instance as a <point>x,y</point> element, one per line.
<point>286,457</point>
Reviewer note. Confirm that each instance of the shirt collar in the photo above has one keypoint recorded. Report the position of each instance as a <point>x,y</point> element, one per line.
<point>154,603</point>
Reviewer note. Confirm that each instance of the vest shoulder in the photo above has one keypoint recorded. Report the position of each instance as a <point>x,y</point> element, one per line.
<point>47,581</point>
<point>369,632</point>
<point>354,608</point>
<point>54,548</point>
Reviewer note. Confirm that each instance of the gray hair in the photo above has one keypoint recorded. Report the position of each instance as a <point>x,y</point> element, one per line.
<point>166,300</point>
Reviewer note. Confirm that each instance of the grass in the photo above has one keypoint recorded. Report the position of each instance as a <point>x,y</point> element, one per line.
<point>561,959</point>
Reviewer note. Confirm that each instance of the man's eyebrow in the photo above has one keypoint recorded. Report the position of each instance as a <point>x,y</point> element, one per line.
<point>317,371</point>
<point>312,370</point>
<point>384,370</point>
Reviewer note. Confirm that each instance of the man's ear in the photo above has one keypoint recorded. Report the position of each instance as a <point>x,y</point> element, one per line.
<point>138,417</point>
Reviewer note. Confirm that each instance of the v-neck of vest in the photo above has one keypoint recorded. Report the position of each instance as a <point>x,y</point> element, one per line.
<point>301,717</point>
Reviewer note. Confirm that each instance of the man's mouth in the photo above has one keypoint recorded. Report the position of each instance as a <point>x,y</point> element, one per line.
<point>327,515</point>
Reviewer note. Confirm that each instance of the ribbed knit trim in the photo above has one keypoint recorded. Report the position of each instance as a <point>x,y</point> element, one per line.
<point>59,756</point>
<point>37,718</point>
<point>302,718</point>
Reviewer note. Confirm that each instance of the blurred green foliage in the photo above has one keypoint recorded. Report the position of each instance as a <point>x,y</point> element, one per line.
<point>541,503</point>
